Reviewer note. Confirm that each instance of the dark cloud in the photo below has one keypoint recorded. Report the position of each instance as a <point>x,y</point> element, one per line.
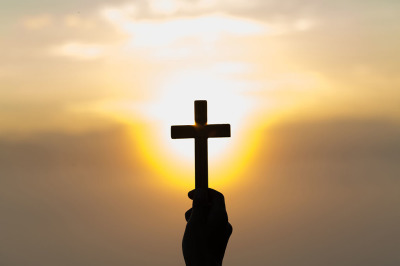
<point>321,193</point>
<point>82,200</point>
<point>343,139</point>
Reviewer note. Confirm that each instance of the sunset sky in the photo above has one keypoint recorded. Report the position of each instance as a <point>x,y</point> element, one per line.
<point>89,90</point>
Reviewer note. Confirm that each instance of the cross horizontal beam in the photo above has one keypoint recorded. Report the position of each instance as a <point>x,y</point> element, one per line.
<point>207,131</point>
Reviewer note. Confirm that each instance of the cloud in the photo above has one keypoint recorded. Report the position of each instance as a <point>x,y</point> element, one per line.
<point>331,55</point>
<point>155,33</point>
<point>336,140</point>
<point>79,197</point>
<point>79,21</point>
<point>37,22</point>
<point>81,51</point>
<point>304,24</point>
<point>164,6</point>
<point>320,193</point>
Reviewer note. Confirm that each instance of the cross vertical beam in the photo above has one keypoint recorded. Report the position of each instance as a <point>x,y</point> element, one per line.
<point>201,132</point>
<point>200,146</point>
<point>201,162</point>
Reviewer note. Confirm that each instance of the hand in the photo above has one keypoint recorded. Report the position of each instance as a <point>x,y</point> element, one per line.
<point>207,229</point>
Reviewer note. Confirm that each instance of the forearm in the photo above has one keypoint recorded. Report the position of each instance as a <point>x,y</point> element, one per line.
<point>203,261</point>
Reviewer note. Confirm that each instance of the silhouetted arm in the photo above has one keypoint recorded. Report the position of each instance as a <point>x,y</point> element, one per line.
<point>207,229</point>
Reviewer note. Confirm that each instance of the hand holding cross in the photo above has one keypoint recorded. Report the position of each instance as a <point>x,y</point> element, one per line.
<point>201,132</point>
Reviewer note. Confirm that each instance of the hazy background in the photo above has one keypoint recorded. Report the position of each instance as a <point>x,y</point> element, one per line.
<point>88,90</point>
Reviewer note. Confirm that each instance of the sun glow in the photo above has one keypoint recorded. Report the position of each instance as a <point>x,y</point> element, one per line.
<point>188,49</point>
<point>175,106</point>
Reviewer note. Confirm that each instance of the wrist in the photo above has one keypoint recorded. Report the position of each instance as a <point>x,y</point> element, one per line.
<point>204,263</point>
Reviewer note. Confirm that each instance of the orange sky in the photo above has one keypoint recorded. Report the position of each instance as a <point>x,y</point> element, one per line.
<point>89,90</point>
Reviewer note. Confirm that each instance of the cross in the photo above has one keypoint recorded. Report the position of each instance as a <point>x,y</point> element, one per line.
<point>201,132</point>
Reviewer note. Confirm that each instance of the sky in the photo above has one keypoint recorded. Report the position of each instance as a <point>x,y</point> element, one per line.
<point>89,90</point>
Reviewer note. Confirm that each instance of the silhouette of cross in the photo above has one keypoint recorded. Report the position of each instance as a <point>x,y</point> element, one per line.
<point>201,132</point>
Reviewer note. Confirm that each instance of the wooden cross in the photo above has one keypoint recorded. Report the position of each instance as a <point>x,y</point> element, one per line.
<point>201,132</point>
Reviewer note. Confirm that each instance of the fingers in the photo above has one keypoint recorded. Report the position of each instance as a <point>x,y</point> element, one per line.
<point>200,205</point>
<point>229,229</point>
<point>216,198</point>
<point>188,213</point>
<point>191,194</point>
<point>211,197</point>
<point>217,208</point>
<point>207,203</point>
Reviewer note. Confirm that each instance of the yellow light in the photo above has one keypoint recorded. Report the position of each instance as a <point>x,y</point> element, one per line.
<point>174,159</point>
